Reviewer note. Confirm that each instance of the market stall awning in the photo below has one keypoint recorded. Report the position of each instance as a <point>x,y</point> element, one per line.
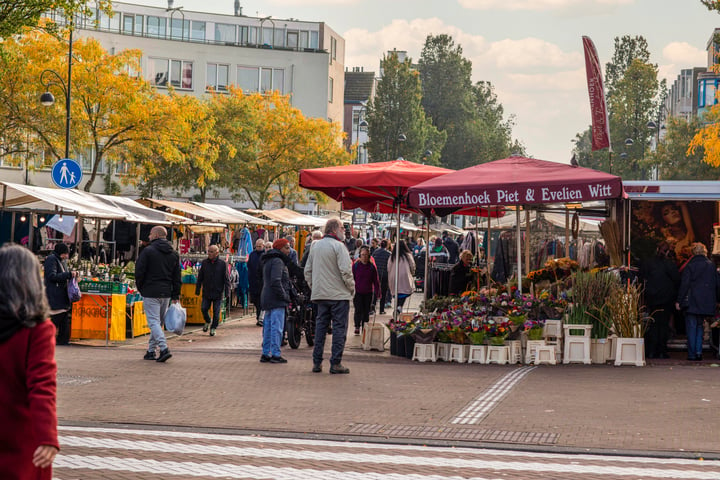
<point>673,190</point>
<point>201,213</point>
<point>242,218</point>
<point>138,213</point>
<point>514,181</point>
<point>286,216</point>
<point>56,200</point>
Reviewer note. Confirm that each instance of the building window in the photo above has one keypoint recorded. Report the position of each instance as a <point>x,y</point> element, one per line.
<point>198,31</point>
<point>279,37</point>
<point>248,79</point>
<point>314,42</point>
<point>177,72</point>
<point>267,36</point>
<point>180,29</point>
<point>292,39</point>
<point>253,36</point>
<point>330,89</point>
<point>706,94</point>
<point>304,35</point>
<point>217,77</point>
<point>333,48</point>
<point>158,73</point>
<point>156,27</point>
<point>225,33</point>
<point>107,22</point>
<point>261,79</point>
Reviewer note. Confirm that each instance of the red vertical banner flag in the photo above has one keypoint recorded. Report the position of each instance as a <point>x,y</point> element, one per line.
<point>598,108</point>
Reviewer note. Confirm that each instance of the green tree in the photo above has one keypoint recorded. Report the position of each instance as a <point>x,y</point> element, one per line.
<point>18,14</point>
<point>470,114</point>
<point>673,158</point>
<point>627,49</point>
<point>397,110</point>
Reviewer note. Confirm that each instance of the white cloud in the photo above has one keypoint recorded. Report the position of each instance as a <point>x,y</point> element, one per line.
<point>540,4</point>
<point>684,53</point>
<point>529,53</point>
<point>310,3</point>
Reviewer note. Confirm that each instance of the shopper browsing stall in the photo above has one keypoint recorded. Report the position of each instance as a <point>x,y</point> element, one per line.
<point>213,279</point>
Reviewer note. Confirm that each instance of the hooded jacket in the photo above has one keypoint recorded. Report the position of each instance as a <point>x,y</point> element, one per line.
<point>276,280</point>
<point>697,286</point>
<point>157,271</point>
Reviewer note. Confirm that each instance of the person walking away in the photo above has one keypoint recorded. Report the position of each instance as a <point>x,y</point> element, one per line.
<point>697,297</point>
<point>367,285</point>
<point>212,279</point>
<point>381,257</point>
<point>56,277</point>
<point>662,279</point>
<point>157,276</point>
<point>275,299</point>
<point>328,272</point>
<point>255,278</point>
<point>28,390</point>
<point>461,274</point>
<point>452,247</point>
<point>405,274</point>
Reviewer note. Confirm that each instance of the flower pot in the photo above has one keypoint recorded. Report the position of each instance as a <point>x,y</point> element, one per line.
<point>402,346</point>
<point>599,350</point>
<point>630,351</point>
<point>409,346</point>
<point>497,341</point>
<point>425,335</point>
<point>393,343</point>
<point>535,333</point>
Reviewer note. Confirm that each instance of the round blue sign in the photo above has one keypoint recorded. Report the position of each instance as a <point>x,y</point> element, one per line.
<point>66,173</point>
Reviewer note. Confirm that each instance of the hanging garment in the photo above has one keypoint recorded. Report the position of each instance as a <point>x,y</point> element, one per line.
<point>245,245</point>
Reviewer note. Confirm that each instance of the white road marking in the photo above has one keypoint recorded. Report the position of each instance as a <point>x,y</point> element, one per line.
<point>489,399</point>
<point>483,452</point>
<point>435,461</point>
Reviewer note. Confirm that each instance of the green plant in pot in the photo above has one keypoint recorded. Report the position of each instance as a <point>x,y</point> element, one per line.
<point>626,312</point>
<point>590,291</point>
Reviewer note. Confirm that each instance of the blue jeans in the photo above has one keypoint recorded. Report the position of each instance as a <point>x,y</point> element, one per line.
<point>694,330</point>
<point>155,309</point>
<point>216,307</point>
<point>337,313</point>
<point>273,326</point>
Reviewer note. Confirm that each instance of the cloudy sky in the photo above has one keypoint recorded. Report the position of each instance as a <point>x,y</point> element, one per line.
<point>531,50</point>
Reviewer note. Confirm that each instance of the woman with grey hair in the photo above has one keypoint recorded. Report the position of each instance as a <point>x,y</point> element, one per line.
<point>28,439</point>
<point>697,297</point>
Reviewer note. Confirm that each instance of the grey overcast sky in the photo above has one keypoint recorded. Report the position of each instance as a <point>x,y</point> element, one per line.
<point>531,50</point>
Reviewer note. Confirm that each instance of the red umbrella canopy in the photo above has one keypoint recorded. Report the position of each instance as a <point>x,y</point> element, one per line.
<point>514,180</point>
<point>371,186</point>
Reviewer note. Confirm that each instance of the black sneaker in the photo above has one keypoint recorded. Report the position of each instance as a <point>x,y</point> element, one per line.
<point>205,327</point>
<point>164,355</point>
<point>265,358</point>
<point>149,356</point>
<point>382,312</point>
<point>317,368</point>
<point>338,368</point>
<point>259,323</point>
<point>212,332</point>
<point>277,360</point>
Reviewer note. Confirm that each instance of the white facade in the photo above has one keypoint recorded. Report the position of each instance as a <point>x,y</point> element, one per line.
<point>196,51</point>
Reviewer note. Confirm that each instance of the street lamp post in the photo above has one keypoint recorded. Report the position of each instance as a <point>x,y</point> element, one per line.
<point>47,99</point>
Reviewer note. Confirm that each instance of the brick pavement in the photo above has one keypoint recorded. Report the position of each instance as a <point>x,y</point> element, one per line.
<point>667,407</point>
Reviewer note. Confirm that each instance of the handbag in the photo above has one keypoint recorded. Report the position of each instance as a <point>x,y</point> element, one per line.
<point>73,290</point>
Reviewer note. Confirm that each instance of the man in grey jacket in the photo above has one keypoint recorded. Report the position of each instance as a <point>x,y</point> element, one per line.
<point>328,272</point>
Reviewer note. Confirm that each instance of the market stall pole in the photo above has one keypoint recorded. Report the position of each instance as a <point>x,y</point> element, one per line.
<point>514,181</point>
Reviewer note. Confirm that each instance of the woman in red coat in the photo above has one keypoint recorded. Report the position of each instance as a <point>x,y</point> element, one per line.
<point>28,437</point>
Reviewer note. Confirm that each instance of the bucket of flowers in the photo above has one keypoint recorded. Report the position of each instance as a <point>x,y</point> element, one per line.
<point>496,331</point>
<point>424,331</point>
<point>476,334</point>
<point>534,329</point>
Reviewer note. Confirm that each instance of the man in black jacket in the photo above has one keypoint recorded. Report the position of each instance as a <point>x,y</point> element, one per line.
<point>213,279</point>
<point>56,278</point>
<point>157,275</point>
<point>662,279</point>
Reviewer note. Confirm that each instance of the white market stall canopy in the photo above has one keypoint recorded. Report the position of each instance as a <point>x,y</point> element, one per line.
<point>138,213</point>
<point>286,216</point>
<point>556,219</point>
<point>243,218</point>
<point>212,219</point>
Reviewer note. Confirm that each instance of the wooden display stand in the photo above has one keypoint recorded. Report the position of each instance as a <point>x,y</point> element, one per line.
<point>99,316</point>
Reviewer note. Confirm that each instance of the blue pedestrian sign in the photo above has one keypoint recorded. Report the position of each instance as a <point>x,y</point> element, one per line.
<point>66,173</point>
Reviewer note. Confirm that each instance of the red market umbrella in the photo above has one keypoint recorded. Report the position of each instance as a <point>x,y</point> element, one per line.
<point>374,187</point>
<point>513,181</point>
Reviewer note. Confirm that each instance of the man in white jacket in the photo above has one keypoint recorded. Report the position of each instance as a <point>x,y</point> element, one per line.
<point>328,272</point>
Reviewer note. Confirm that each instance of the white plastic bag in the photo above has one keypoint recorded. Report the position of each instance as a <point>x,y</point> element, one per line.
<point>175,318</point>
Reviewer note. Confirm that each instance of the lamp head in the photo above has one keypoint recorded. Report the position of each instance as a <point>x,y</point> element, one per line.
<point>651,125</point>
<point>362,124</point>
<point>402,137</point>
<point>47,99</point>
<point>629,141</point>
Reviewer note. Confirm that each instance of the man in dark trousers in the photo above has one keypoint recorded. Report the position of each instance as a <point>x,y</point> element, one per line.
<point>452,246</point>
<point>212,279</point>
<point>157,275</point>
<point>56,277</point>
<point>255,277</point>
<point>662,280</point>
